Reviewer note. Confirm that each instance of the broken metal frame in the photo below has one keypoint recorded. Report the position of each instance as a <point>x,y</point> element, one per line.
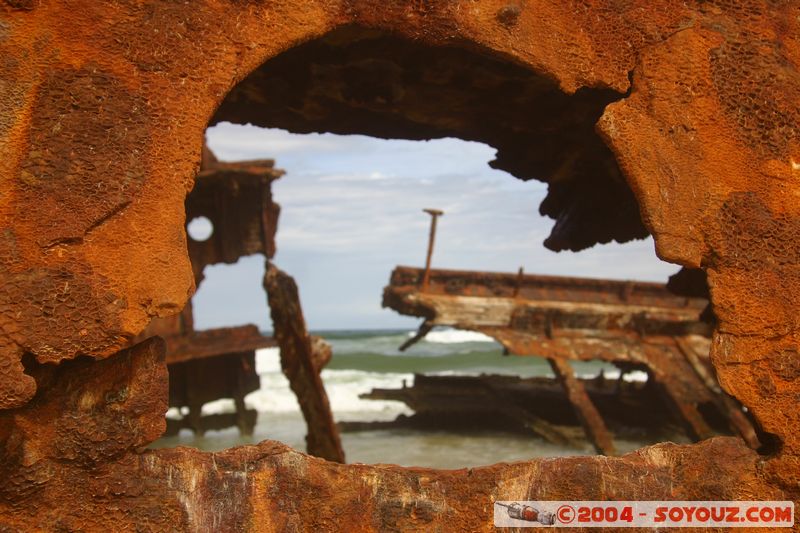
<point>532,405</point>
<point>630,324</point>
<point>206,365</point>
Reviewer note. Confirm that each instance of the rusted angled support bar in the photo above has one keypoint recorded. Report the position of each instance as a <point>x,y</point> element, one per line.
<point>737,420</point>
<point>696,425</point>
<point>298,364</point>
<point>423,330</point>
<point>592,422</point>
<point>681,387</point>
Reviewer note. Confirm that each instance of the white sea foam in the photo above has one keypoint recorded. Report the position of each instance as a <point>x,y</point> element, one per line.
<point>452,336</point>
<point>345,386</point>
<point>629,377</point>
<point>268,360</point>
<point>342,386</point>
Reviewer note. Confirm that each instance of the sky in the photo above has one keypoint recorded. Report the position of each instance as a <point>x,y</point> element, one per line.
<point>351,210</point>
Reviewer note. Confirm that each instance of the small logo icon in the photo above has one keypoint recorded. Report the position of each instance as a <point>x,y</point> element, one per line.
<point>566,514</point>
<point>529,514</point>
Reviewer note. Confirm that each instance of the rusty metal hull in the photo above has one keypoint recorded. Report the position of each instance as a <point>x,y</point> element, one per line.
<point>631,324</point>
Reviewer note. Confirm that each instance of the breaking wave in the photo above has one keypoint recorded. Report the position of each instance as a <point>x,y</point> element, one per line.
<point>363,361</point>
<point>452,336</point>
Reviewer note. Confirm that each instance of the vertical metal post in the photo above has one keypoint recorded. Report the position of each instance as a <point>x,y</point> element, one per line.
<point>435,214</point>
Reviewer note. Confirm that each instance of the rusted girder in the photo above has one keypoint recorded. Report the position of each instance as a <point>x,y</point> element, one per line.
<point>300,365</point>
<point>590,418</point>
<point>562,318</point>
<point>212,342</point>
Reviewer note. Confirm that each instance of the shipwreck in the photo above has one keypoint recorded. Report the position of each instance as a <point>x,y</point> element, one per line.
<point>235,199</point>
<point>633,325</point>
<point>674,119</point>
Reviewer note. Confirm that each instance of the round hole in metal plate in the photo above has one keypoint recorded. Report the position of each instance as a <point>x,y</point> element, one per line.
<point>200,229</point>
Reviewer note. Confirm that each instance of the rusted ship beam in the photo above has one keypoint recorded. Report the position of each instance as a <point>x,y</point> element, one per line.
<point>212,342</point>
<point>590,418</point>
<point>300,365</point>
<point>563,318</point>
<point>702,365</point>
<point>535,405</point>
<point>676,379</point>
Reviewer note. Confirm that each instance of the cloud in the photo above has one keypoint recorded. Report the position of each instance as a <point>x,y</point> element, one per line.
<point>236,142</point>
<point>352,210</point>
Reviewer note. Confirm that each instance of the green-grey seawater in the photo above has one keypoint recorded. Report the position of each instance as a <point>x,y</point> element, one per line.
<point>363,360</point>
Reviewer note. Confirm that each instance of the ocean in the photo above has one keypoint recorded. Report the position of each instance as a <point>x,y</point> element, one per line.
<point>363,360</point>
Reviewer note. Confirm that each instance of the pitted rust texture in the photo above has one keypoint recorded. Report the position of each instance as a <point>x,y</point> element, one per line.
<point>88,414</point>
<point>702,142</point>
<point>92,479</point>
<point>92,102</point>
<point>631,324</point>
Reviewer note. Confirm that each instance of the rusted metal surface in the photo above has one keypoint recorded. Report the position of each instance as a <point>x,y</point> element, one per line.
<point>590,418</point>
<point>237,199</point>
<point>678,119</point>
<point>435,214</point>
<point>634,300</point>
<point>299,364</point>
<point>213,342</point>
<point>622,322</point>
<point>195,382</point>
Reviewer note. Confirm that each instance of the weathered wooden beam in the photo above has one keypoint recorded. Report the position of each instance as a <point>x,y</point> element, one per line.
<point>298,364</point>
<point>592,422</point>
